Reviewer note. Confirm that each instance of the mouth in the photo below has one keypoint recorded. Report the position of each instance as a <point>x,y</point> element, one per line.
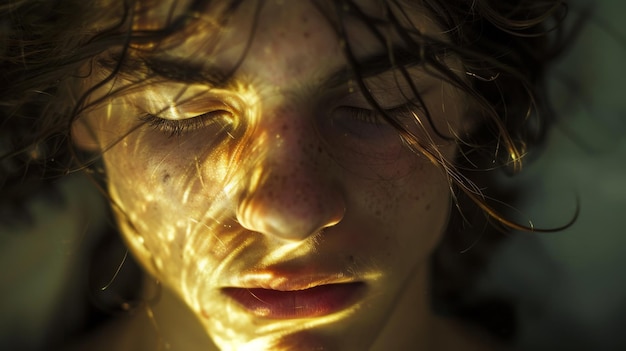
<point>312,302</point>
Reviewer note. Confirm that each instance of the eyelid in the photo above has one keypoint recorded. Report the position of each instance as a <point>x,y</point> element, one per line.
<point>175,108</point>
<point>403,114</point>
<point>388,92</point>
<point>192,109</point>
<point>176,101</point>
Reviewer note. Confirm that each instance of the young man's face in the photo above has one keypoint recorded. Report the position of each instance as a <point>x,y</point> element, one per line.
<point>278,204</point>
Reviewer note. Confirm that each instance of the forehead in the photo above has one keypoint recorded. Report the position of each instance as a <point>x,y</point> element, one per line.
<point>284,37</point>
<point>153,14</point>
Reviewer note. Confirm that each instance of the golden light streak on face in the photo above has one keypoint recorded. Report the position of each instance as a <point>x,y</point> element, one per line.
<point>268,193</point>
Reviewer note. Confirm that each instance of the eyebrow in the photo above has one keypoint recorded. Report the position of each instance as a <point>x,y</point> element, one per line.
<point>376,64</point>
<point>187,71</point>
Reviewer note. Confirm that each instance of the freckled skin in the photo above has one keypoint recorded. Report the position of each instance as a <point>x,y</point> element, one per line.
<point>200,211</point>
<point>166,178</point>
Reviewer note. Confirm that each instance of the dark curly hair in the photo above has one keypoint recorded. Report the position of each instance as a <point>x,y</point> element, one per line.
<point>505,47</point>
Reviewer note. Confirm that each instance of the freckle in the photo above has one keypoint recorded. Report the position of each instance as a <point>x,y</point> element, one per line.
<point>306,34</point>
<point>351,258</point>
<point>285,127</point>
<point>166,177</point>
<point>428,207</point>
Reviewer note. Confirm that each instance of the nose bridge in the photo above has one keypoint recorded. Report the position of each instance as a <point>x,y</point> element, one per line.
<point>290,194</point>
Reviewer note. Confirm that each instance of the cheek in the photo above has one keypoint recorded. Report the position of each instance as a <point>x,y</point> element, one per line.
<point>173,200</point>
<point>397,223</point>
<point>135,194</point>
<point>161,201</point>
<point>422,212</point>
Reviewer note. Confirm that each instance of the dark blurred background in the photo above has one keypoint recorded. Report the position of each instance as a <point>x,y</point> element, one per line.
<point>572,285</point>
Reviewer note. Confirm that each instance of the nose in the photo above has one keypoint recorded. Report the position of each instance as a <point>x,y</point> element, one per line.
<point>291,192</point>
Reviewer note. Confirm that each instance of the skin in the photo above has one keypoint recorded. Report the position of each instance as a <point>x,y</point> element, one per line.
<point>286,184</point>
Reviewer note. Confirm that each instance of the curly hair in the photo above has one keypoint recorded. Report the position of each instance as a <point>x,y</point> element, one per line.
<point>505,47</point>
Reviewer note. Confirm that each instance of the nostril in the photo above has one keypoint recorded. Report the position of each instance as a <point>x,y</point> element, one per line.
<point>290,215</point>
<point>283,225</point>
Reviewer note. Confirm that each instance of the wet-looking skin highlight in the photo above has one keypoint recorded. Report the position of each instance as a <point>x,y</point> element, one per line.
<point>251,176</point>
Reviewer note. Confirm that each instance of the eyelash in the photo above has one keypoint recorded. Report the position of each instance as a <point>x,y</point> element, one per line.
<point>370,116</point>
<point>179,127</point>
<point>363,115</point>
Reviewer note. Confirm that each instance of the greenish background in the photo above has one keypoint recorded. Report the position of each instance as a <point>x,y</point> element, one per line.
<point>572,285</point>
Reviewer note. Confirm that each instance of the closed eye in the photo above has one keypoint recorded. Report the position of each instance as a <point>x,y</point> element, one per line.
<point>358,114</point>
<point>218,121</point>
<point>368,123</point>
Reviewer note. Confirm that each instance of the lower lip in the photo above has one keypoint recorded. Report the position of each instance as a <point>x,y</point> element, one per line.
<point>308,303</point>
